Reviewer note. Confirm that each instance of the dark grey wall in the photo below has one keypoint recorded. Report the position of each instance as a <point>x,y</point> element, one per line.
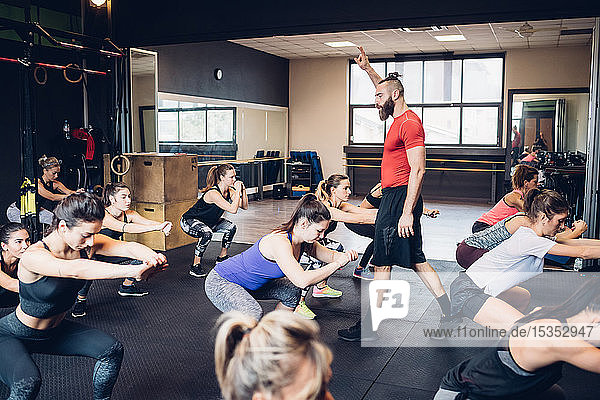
<point>248,75</point>
<point>156,22</point>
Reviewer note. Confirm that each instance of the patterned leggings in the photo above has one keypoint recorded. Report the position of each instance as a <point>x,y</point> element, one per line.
<point>198,229</point>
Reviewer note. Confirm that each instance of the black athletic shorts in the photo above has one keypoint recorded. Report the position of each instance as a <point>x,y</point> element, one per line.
<point>391,249</point>
<point>466,297</point>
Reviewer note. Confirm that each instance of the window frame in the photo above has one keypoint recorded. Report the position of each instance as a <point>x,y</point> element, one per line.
<point>206,109</point>
<point>423,106</point>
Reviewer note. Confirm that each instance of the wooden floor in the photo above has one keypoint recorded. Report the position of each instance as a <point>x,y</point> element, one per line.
<point>440,235</point>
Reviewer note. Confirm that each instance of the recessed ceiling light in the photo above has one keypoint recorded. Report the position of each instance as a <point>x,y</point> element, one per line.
<point>425,29</point>
<point>340,44</point>
<point>450,38</point>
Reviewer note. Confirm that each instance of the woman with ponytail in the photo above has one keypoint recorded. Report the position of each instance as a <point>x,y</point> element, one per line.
<point>528,366</point>
<point>49,192</point>
<point>524,179</point>
<point>279,357</point>
<point>269,270</point>
<point>488,292</point>
<point>334,194</point>
<point>479,243</point>
<point>222,193</point>
<point>50,273</point>
<point>120,219</point>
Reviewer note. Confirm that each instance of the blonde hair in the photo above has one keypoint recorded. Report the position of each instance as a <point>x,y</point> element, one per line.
<point>323,191</point>
<point>48,162</point>
<point>264,356</point>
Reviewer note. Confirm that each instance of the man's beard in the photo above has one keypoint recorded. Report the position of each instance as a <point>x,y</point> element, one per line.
<point>387,109</point>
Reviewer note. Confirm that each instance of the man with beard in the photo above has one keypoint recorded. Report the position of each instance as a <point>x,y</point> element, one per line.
<point>398,238</point>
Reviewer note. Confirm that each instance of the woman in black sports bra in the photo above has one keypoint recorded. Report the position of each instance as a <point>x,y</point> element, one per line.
<point>50,274</point>
<point>14,239</point>
<point>120,219</point>
<point>528,366</point>
<point>222,193</point>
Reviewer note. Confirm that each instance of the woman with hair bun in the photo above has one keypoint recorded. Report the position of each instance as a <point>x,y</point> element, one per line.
<point>524,179</point>
<point>488,292</point>
<point>14,239</point>
<point>51,272</point>
<point>279,357</point>
<point>49,192</point>
<point>269,270</point>
<point>120,219</point>
<point>222,193</point>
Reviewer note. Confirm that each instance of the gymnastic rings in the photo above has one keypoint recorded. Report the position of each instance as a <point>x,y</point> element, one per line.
<point>45,75</point>
<point>74,67</point>
<point>122,162</point>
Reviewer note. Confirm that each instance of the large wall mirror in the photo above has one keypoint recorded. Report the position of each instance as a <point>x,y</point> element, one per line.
<point>556,119</point>
<point>144,98</point>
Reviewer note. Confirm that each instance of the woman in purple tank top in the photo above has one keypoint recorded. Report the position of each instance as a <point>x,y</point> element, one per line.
<point>269,270</point>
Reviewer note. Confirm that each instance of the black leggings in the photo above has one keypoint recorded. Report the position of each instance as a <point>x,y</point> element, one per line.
<point>8,298</point>
<point>366,230</point>
<point>18,341</point>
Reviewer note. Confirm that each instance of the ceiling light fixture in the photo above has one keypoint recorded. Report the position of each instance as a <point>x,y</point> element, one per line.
<point>450,38</point>
<point>98,3</point>
<point>340,44</point>
<point>425,29</point>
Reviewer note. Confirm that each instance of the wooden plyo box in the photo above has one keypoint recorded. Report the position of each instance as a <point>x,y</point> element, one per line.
<point>162,212</point>
<point>162,177</point>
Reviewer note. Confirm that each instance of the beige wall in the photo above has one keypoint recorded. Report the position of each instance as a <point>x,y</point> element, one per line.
<point>260,130</point>
<point>143,94</point>
<point>318,108</point>
<point>562,67</point>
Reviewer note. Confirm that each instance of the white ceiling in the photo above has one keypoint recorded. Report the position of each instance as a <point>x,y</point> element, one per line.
<point>387,42</point>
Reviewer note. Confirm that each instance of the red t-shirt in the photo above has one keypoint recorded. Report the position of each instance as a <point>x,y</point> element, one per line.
<point>405,133</point>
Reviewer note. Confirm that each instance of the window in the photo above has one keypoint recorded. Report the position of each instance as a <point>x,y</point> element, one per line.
<point>185,122</point>
<point>459,99</point>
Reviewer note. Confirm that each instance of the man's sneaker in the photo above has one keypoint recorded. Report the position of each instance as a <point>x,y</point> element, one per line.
<point>225,257</point>
<point>326,291</point>
<point>354,334</point>
<point>446,327</point>
<point>363,273</point>
<point>303,311</point>
<point>79,309</point>
<point>197,271</point>
<point>131,291</point>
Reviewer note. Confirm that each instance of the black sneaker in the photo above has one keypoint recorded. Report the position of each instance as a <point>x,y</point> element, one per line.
<point>225,257</point>
<point>197,271</point>
<point>354,334</point>
<point>446,327</point>
<point>131,291</point>
<point>79,309</point>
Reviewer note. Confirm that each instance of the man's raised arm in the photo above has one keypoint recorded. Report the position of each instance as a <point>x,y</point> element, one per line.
<point>363,62</point>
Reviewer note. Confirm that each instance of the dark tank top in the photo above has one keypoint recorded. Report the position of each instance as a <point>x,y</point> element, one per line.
<point>332,223</point>
<point>209,213</point>
<point>114,234</point>
<point>49,295</point>
<point>44,202</point>
<point>494,373</point>
<point>374,201</point>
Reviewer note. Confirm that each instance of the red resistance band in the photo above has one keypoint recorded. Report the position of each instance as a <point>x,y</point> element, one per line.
<point>83,135</point>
